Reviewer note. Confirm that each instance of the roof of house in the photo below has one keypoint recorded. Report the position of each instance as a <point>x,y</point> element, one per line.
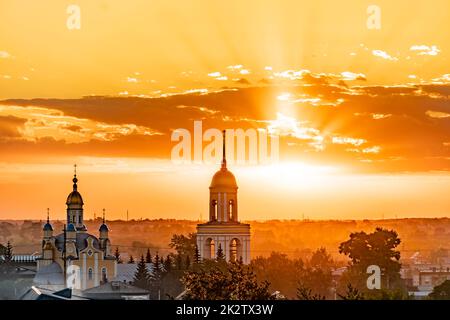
<point>38,293</point>
<point>49,275</point>
<point>126,271</point>
<point>115,290</point>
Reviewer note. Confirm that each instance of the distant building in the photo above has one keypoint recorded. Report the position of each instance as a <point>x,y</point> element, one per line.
<point>75,254</point>
<point>223,228</point>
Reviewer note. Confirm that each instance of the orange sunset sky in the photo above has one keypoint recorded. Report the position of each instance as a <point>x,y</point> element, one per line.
<point>363,114</point>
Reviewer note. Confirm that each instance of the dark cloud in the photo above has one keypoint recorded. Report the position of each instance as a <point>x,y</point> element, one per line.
<point>408,139</point>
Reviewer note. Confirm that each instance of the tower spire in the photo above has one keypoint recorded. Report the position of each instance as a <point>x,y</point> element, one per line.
<point>104,215</point>
<point>224,157</point>
<point>75,180</point>
<point>48,215</point>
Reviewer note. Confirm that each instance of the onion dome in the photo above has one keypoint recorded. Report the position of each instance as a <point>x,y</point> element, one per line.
<point>71,228</point>
<point>223,178</point>
<point>74,197</point>
<point>103,227</point>
<point>48,226</point>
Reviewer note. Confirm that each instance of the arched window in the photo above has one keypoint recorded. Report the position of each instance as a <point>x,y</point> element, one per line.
<point>90,274</point>
<point>234,246</point>
<point>210,249</point>
<point>214,210</point>
<point>231,210</point>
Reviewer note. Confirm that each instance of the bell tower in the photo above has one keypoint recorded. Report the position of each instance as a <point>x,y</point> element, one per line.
<point>223,228</point>
<point>75,206</point>
<point>223,193</point>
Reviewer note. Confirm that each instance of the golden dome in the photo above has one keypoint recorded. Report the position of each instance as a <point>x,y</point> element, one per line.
<point>223,179</point>
<point>74,197</point>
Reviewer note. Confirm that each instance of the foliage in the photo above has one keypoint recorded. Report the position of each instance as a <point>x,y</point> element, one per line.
<point>184,245</point>
<point>304,293</point>
<point>148,257</point>
<point>377,248</point>
<point>142,276</point>
<point>281,272</point>
<point>220,256</point>
<point>8,256</point>
<point>236,282</point>
<point>352,294</point>
<point>131,260</point>
<point>441,292</point>
<point>197,259</point>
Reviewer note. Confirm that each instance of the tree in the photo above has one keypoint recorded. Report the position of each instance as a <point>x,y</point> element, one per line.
<point>282,273</point>
<point>236,282</point>
<point>8,256</point>
<point>197,255</point>
<point>117,255</point>
<point>168,264</point>
<point>141,277</point>
<point>352,294</point>
<point>131,260</point>
<point>441,292</point>
<point>184,246</point>
<point>157,266</point>
<point>188,262</point>
<point>179,262</point>
<point>148,257</point>
<point>220,255</point>
<point>304,293</point>
<point>377,248</point>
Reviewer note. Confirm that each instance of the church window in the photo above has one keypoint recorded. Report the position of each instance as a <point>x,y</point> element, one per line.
<point>230,210</point>
<point>90,274</point>
<point>214,205</point>
<point>210,249</point>
<point>234,250</point>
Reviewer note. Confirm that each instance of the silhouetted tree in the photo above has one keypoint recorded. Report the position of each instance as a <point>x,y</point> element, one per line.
<point>141,277</point>
<point>148,257</point>
<point>179,262</point>
<point>352,294</point>
<point>157,266</point>
<point>304,293</point>
<point>235,282</point>
<point>377,248</point>
<point>8,256</point>
<point>220,255</point>
<point>188,262</point>
<point>196,255</point>
<point>168,264</point>
<point>131,260</point>
<point>441,292</point>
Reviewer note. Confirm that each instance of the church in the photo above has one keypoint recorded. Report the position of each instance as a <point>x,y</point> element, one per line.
<point>223,230</point>
<point>75,258</point>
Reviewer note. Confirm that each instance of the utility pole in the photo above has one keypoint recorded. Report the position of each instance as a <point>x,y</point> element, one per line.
<point>127,215</point>
<point>64,257</point>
